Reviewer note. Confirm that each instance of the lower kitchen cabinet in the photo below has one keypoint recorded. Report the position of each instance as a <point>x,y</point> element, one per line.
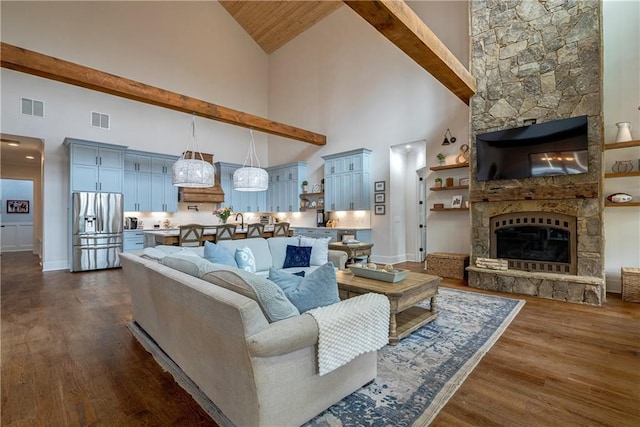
<point>133,240</point>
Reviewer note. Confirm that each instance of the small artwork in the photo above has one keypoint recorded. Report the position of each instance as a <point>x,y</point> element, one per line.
<point>17,206</point>
<point>379,186</point>
<point>379,210</point>
<point>379,197</point>
<point>456,202</point>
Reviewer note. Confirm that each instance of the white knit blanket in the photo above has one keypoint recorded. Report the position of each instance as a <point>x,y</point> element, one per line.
<point>350,328</point>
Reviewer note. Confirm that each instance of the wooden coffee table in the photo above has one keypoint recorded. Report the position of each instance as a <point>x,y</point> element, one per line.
<point>403,296</point>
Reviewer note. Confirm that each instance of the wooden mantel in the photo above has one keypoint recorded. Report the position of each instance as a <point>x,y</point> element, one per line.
<point>400,25</point>
<point>38,64</point>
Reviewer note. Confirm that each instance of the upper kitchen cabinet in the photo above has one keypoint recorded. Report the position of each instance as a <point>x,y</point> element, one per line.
<point>164,195</point>
<point>95,166</point>
<point>239,201</point>
<point>285,183</point>
<point>347,180</point>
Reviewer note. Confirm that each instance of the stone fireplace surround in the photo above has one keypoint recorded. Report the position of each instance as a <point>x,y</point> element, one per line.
<point>587,286</point>
<point>539,59</point>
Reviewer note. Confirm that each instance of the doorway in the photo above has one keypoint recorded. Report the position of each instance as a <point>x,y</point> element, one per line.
<point>21,167</point>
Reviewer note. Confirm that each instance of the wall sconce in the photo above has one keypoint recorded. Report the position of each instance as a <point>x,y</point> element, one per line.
<point>449,140</point>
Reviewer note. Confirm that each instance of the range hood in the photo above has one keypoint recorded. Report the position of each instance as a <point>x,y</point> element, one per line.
<point>213,194</point>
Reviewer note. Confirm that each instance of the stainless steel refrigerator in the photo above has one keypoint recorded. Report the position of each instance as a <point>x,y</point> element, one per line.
<point>97,231</point>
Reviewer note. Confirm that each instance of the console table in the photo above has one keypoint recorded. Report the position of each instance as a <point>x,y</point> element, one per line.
<point>353,250</point>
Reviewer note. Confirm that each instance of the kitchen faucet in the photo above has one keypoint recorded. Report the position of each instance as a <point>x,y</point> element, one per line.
<point>242,218</point>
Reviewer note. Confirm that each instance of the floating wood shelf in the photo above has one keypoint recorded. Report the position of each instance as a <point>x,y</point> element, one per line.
<point>449,209</point>
<point>445,167</point>
<point>621,174</point>
<point>621,205</point>
<point>626,144</point>
<point>305,195</point>
<point>452,187</point>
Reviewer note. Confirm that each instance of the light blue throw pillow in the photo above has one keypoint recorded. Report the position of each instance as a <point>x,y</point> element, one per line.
<point>218,254</point>
<point>318,289</point>
<point>245,259</point>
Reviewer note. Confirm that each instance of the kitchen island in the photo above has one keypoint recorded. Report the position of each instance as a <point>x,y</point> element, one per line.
<point>170,236</point>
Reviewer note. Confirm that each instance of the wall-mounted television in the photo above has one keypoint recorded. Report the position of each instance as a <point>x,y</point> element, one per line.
<point>558,147</point>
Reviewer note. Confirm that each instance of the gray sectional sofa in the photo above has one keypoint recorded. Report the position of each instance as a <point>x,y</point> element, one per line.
<point>256,372</point>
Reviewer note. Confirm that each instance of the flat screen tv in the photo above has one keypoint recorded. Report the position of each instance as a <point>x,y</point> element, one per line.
<point>553,148</point>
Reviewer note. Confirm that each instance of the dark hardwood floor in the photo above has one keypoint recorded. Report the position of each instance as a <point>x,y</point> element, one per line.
<point>69,360</point>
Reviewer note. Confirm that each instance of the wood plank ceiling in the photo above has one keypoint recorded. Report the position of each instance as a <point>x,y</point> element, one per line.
<point>274,23</point>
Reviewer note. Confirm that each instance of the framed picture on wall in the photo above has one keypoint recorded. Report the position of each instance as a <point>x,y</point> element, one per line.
<point>17,206</point>
<point>379,197</point>
<point>379,210</point>
<point>379,186</point>
<point>456,202</point>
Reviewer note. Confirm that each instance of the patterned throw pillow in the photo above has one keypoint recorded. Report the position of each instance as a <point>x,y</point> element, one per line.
<point>245,259</point>
<point>297,256</point>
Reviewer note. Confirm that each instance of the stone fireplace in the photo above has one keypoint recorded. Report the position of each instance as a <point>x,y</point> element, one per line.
<point>538,59</point>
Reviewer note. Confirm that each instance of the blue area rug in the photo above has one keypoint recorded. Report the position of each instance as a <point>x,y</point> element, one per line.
<point>417,377</point>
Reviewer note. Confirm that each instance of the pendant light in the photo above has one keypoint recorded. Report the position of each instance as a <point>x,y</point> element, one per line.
<point>250,178</point>
<point>192,172</point>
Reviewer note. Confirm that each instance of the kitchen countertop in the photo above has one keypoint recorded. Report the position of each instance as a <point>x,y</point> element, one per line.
<point>208,230</point>
<point>332,228</point>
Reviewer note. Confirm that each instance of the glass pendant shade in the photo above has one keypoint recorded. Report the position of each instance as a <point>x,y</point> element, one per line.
<point>192,172</point>
<point>251,178</point>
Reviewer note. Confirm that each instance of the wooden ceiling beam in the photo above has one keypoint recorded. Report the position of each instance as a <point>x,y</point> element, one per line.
<point>400,25</point>
<point>38,64</point>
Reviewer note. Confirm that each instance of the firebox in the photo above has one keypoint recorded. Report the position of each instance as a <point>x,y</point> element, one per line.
<point>535,241</point>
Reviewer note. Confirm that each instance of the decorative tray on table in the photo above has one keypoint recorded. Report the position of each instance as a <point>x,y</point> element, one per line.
<point>380,274</point>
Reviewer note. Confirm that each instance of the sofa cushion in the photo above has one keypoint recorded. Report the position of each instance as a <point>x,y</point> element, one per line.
<point>187,263</point>
<point>278,248</point>
<point>297,256</point>
<point>319,249</point>
<point>245,259</point>
<point>317,289</point>
<point>219,255</point>
<point>271,299</point>
<point>258,246</point>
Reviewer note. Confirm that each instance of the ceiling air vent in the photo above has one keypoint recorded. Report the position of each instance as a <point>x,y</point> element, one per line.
<point>32,107</point>
<point>99,120</point>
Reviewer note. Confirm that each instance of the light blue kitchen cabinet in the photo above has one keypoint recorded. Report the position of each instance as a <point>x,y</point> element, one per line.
<point>347,180</point>
<point>164,195</point>
<point>137,162</point>
<point>95,166</point>
<point>285,185</point>
<point>133,240</point>
<point>137,191</point>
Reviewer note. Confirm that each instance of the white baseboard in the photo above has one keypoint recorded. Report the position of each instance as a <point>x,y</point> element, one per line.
<point>55,265</point>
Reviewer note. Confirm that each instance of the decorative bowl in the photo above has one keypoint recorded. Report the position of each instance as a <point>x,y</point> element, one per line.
<point>385,276</point>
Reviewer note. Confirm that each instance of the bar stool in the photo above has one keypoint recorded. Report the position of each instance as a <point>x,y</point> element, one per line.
<point>281,229</point>
<point>255,230</point>
<point>225,232</point>
<point>190,235</point>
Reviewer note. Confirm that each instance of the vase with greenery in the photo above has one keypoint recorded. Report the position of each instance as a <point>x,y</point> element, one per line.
<point>441,158</point>
<point>438,182</point>
<point>304,186</point>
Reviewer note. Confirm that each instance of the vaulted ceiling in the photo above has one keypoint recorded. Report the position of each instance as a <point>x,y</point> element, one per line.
<point>274,23</point>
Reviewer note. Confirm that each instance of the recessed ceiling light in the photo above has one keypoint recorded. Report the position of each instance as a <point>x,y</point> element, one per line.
<point>30,157</point>
<point>408,147</point>
<point>11,142</point>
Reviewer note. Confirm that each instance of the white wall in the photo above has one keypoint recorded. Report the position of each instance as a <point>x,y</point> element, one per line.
<point>621,103</point>
<point>345,80</point>
<point>193,48</point>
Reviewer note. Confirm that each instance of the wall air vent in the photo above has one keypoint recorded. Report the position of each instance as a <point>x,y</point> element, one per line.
<point>99,120</point>
<point>32,107</point>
